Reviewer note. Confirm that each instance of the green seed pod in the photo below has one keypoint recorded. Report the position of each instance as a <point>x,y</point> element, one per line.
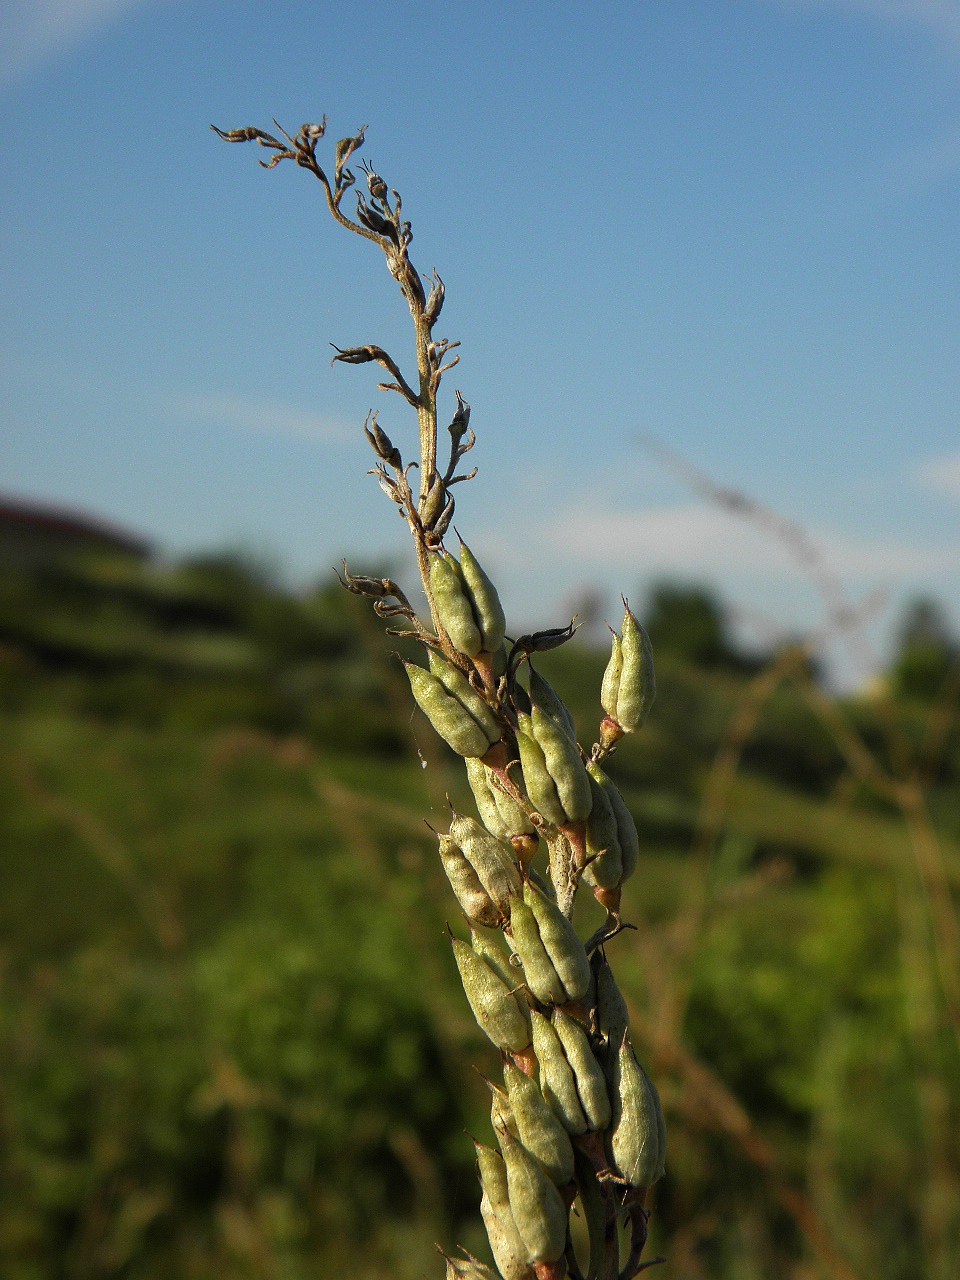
<point>626,827</point>
<point>612,1016</point>
<point>498,960</point>
<point>559,939</point>
<point>479,781</point>
<point>637,1142</point>
<point>638,684</point>
<point>545,697</point>
<point>536,777</point>
<point>492,860</point>
<point>450,718</point>
<point>541,977</point>
<point>591,1085</point>
<point>610,685</point>
<point>454,610</point>
<point>500,813</point>
<point>540,1131</point>
<point>537,1208</point>
<point>493,1180</point>
<point>605,867</point>
<point>501,1115</point>
<point>509,1265</point>
<point>476,903</point>
<point>457,684</point>
<point>496,1008</point>
<point>562,757</point>
<point>487,610</point>
<point>556,1075</point>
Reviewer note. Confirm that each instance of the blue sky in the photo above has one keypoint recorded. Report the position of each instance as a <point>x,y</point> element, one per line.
<point>729,226</point>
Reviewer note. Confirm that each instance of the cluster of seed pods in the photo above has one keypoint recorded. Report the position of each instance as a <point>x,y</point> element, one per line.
<point>577,1118</point>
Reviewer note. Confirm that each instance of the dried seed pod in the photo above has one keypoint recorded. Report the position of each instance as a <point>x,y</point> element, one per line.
<point>491,858</point>
<point>605,867</point>
<point>475,902</point>
<point>562,757</point>
<point>454,610</point>
<point>559,938</point>
<point>456,683</point>
<point>539,784</point>
<point>612,1015</point>
<point>538,1210</point>
<point>493,1180</point>
<point>541,977</point>
<point>637,688</point>
<point>498,1011</point>
<point>590,1081</point>
<point>544,696</point>
<point>610,685</point>
<point>637,1135</point>
<point>449,717</point>
<point>539,1129</point>
<point>487,610</point>
<point>556,1075</point>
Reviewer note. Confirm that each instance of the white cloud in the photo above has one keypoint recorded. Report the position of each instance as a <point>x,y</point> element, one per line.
<point>264,416</point>
<point>35,32</point>
<point>940,475</point>
<point>698,539</point>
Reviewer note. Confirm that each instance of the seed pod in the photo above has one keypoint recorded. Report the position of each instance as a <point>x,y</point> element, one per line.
<point>638,685</point>
<point>605,867</point>
<point>610,685</point>
<point>541,977</point>
<point>476,903</point>
<point>453,607</point>
<point>484,798</point>
<point>500,813</point>
<point>637,1136</point>
<point>498,960</point>
<point>456,683</point>
<point>560,941</point>
<point>492,860</point>
<point>537,1208</point>
<point>591,1085</point>
<point>450,718</point>
<point>539,1129</point>
<point>612,1015</point>
<point>562,757</point>
<point>556,1075</point>
<point>545,697</point>
<point>509,1265</point>
<point>496,1008</point>
<point>626,827</point>
<point>487,610</point>
<point>536,777</point>
<point>493,1180</point>
<point>501,1114</point>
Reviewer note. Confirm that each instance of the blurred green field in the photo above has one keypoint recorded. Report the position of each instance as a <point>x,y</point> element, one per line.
<point>232,1041</point>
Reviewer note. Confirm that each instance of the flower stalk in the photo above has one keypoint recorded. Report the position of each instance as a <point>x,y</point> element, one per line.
<point>578,1121</point>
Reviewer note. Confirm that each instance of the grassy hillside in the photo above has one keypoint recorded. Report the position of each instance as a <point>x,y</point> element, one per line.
<point>232,1041</point>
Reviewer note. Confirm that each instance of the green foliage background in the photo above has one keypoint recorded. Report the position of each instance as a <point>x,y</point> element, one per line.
<point>232,1041</point>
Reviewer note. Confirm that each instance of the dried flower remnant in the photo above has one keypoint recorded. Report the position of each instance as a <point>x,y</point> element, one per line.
<point>578,1119</point>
